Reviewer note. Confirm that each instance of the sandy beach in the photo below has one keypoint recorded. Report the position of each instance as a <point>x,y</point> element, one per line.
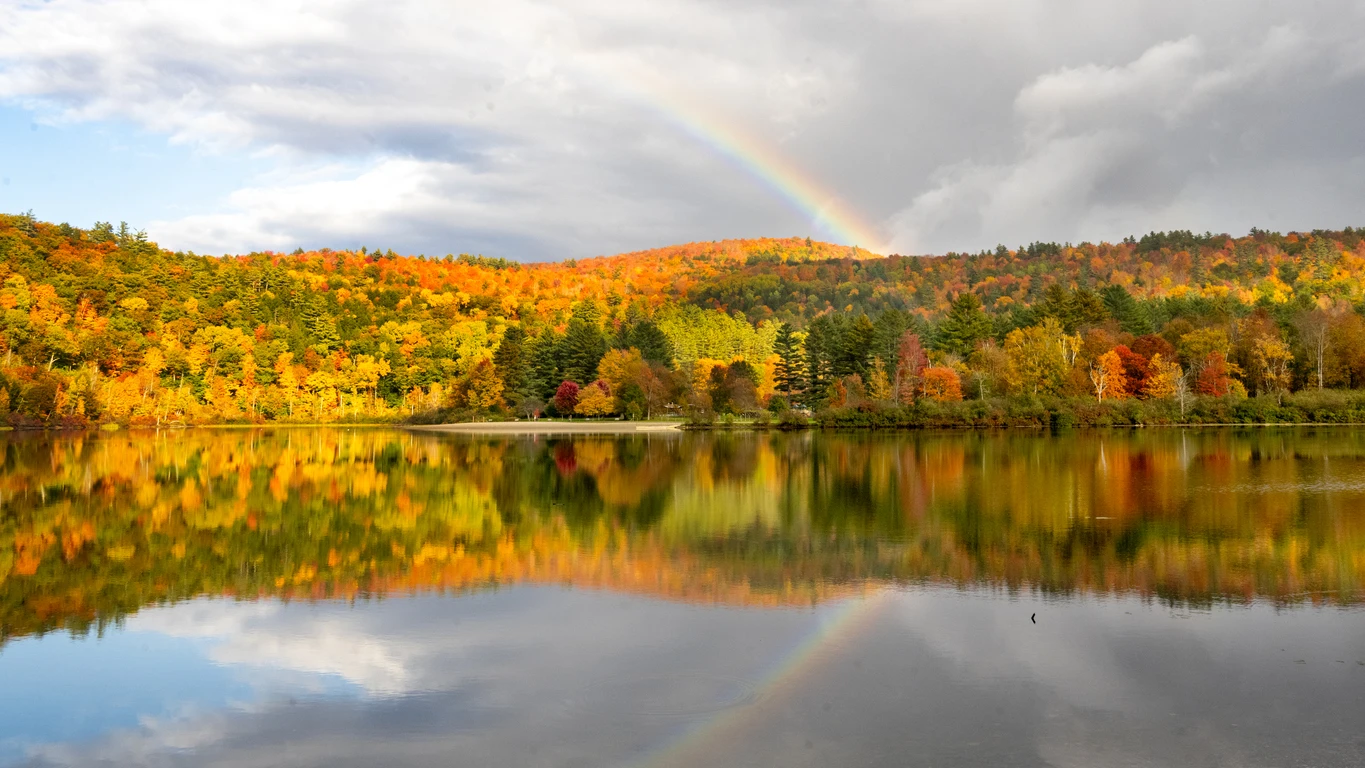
<point>555,427</point>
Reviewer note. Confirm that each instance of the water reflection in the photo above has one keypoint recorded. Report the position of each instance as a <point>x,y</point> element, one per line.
<point>95,527</point>
<point>374,597</point>
<point>543,676</point>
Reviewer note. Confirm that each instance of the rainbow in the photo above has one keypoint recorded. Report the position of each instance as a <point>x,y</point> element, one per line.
<point>757,157</point>
<point>762,161</point>
<point>836,627</point>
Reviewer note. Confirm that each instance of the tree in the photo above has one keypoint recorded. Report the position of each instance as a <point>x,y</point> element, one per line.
<point>791,367</point>
<point>1124,308</point>
<point>878,383</point>
<point>716,389</point>
<point>654,346</point>
<point>942,384</point>
<point>1168,380</point>
<point>584,346</point>
<point>1272,359</point>
<point>1315,328</point>
<point>819,347</point>
<point>741,387</point>
<point>1198,348</point>
<point>1214,375</point>
<point>481,386</point>
<point>964,326</point>
<point>1038,357</point>
<point>1107,377</point>
<point>1136,369</point>
<point>620,368</point>
<point>910,364</point>
<point>854,348</point>
<point>991,368</point>
<point>566,397</point>
<point>595,400</point>
<point>509,361</point>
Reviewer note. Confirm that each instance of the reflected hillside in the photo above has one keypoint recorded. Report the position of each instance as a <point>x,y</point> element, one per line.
<point>95,526</point>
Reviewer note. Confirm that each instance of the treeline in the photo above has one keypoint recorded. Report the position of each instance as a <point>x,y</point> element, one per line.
<point>102,325</point>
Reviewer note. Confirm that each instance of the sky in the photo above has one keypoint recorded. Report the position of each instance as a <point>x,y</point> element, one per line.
<point>547,130</point>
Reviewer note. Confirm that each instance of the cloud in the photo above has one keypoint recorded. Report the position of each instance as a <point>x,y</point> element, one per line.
<point>535,129</point>
<point>1102,151</point>
<point>524,676</point>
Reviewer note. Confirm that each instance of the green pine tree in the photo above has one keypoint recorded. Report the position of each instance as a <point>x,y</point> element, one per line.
<point>965,326</point>
<point>510,363</point>
<point>790,373</point>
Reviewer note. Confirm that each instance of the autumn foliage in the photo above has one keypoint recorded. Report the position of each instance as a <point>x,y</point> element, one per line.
<point>103,326</point>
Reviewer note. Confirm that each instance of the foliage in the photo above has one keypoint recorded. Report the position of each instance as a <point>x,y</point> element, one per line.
<point>101,325</point>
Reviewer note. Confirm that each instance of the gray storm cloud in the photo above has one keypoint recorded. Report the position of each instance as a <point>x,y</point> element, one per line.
<point>520,128</point>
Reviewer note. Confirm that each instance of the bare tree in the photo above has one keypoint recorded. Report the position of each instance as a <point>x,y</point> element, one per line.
<point>1315,327</point>
<point>1182,390</point>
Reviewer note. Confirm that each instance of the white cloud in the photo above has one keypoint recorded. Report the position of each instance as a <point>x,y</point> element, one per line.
<point>258,635</point>
<point>548,129</point>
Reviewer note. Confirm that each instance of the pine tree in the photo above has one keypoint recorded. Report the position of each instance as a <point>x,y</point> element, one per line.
<point>584,345</point>
<point>964,326</point>
<point>547,364</point>
<point>510,363</point>
<point>790,374</point>
<point>854,348</point>
<point>1125,309</point>
<point>654,346</point>
<point>819,359</point>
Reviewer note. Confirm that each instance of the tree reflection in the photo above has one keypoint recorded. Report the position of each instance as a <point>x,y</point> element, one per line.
<point>96,526</point>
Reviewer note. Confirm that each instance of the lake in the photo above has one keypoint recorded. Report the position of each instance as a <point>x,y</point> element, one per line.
<point>368,597</point>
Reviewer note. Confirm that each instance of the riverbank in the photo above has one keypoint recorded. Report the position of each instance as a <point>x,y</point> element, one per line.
<point>547,427</point>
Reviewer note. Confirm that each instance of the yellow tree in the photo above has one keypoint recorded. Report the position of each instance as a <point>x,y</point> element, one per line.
<point>620,368</point>
<point>286,379</point>
<point>1168,380</point>
<point>1272,358</point>
<point>878,383</point>
<point>595,400</point>
<point>482,386</point>
<point>1037,358</point>
<point>366,372</point>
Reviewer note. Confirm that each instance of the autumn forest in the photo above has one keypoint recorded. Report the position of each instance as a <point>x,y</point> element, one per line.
<point>102,326</point>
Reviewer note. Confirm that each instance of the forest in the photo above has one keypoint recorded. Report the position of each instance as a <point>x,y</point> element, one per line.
<point>100,326</point>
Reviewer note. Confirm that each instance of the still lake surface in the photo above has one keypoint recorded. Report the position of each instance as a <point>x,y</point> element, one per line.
<point>367,597</point>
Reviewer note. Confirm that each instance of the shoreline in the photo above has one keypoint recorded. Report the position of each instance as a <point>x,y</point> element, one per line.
<point>552,427</point>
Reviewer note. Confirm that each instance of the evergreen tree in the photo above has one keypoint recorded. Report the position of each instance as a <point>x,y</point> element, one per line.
<point>820,339</point>
<point>547,364</point>
<point>510,363</point>
<point>891,325</point>
<point>790,374</point>
<point>1125,309</point>
<point>654,346</point>
<point>854,348</point>
<point>584,345</point>
<point>964,327</point>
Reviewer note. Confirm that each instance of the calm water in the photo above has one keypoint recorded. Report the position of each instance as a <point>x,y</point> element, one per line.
<point>372,597</point>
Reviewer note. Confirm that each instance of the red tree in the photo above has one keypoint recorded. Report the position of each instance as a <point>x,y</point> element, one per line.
<point>566,397</point>
<point>1136,369</point>
<point>1214,379</point>
<point>910,364</point>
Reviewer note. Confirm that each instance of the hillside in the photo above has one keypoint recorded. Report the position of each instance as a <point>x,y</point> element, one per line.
<point>103,325</point>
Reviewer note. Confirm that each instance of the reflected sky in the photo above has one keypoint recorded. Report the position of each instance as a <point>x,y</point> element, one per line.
<point>549,676</point>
